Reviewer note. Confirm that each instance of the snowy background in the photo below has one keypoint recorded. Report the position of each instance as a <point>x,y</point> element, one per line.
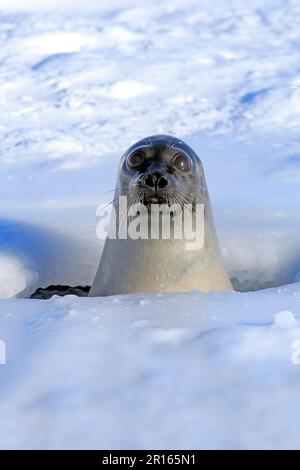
<point>78,85</point>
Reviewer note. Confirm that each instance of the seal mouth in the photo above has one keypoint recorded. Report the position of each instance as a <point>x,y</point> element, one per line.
<point>153,199</point>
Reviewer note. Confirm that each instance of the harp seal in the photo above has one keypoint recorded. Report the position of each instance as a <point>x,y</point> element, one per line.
<point>163,170</point>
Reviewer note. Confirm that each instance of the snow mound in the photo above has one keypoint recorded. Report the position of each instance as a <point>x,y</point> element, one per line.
<point>284,319</point>
<point>15,278</point>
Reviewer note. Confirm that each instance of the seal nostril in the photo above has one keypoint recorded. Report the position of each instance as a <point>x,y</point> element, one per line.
<point>149,181</point>
<point>162,182</point>
<point>154,180</point>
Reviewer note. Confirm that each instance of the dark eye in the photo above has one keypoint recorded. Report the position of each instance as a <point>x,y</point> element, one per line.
<point>135,159</point>
<point>182,162</point>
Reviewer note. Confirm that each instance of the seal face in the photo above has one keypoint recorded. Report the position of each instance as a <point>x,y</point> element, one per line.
<point>161,172</point>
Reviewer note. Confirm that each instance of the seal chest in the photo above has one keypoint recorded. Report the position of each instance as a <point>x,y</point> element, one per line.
<point>162,182</point>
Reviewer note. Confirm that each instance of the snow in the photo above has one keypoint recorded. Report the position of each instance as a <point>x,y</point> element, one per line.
<point>79,84</point>
<point>14,277</point>
<point>285,319</point>
<point>157,371</point>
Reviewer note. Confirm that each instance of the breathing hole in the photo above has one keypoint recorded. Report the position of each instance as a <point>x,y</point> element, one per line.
<point>48,292</point>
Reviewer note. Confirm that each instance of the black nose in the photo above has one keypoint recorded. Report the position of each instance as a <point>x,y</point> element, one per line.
<point>155,180</point>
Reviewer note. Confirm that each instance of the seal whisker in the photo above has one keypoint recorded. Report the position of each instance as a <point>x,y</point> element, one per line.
<point>187,198</point>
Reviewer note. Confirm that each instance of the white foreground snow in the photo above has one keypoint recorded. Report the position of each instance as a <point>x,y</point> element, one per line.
<point>161,371</point>
<point>77,87</point>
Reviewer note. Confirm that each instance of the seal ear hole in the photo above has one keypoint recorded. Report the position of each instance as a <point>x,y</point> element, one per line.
<point>135,159</point>
<point>182,162</point>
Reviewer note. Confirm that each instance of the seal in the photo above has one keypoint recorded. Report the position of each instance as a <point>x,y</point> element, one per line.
<point>162,171</point>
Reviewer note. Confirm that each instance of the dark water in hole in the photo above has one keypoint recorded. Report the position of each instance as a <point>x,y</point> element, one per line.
<point>251,285</point>
<point>48,292</point>
<point>82,291</point>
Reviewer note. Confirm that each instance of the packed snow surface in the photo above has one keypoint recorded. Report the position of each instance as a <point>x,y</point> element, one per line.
<point>157,371</point>
<point>78,85</point>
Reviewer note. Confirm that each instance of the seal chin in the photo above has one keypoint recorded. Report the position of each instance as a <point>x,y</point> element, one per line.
<point>154,199</point>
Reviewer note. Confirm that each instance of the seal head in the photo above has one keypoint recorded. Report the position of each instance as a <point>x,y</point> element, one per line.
<point>162,170</point>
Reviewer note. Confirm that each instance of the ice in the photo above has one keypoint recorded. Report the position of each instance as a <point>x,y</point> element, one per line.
<point>79,83</point>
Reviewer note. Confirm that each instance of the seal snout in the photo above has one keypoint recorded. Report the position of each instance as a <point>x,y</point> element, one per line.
<point>154,181</point>
<point>154,185</point>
